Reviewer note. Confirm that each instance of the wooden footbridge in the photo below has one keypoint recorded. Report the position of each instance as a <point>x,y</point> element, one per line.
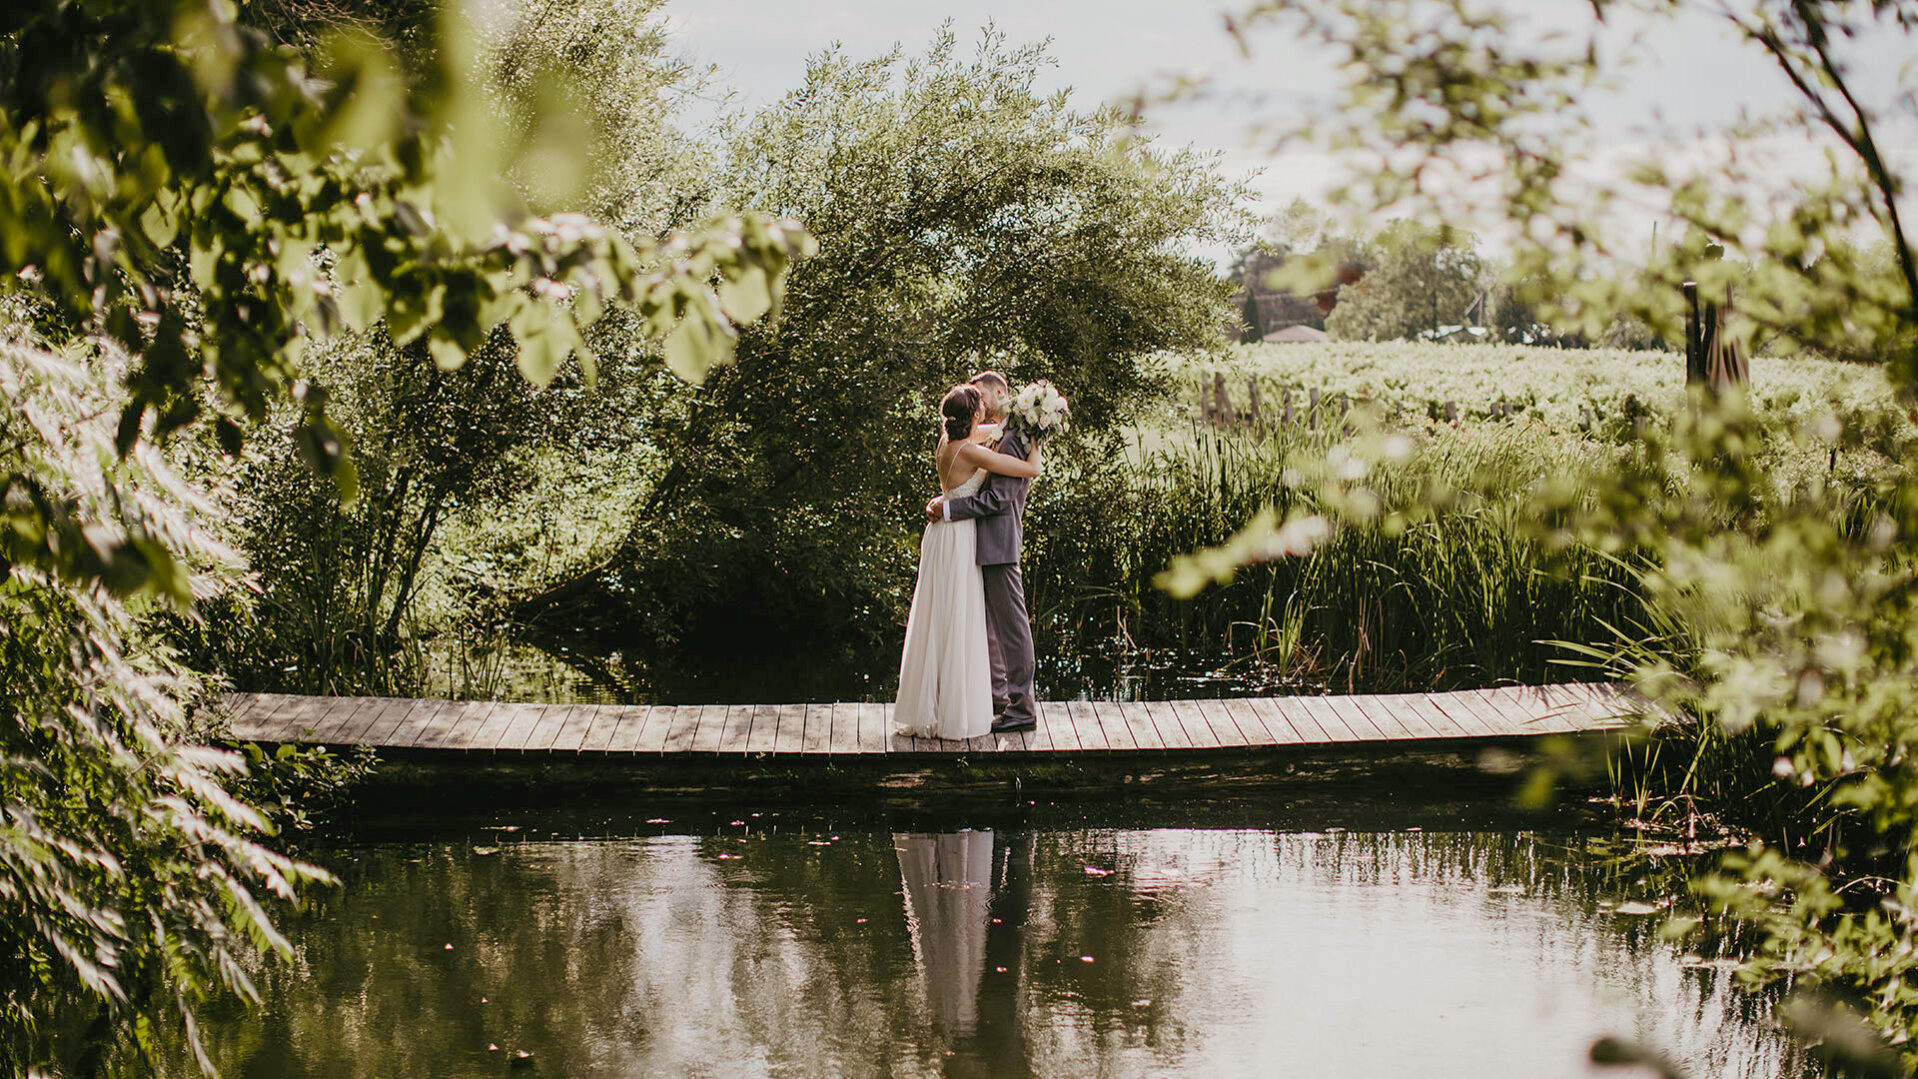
<point>864,730</point>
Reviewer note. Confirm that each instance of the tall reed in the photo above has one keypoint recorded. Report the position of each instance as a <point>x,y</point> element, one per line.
<point>1468,597</point>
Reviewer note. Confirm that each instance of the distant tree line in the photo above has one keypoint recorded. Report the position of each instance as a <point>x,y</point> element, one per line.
<point>1408,281</point>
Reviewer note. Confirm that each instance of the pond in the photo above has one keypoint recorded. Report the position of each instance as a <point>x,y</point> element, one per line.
<point>1230,936</point>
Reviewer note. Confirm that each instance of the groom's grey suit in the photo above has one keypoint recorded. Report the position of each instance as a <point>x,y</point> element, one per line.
<point>1000,509</point>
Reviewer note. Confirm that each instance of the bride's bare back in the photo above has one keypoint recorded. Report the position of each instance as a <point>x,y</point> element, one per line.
<point>958,460</point>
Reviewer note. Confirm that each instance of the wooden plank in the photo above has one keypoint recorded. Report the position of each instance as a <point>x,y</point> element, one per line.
<point>764,736</point>
<point>896,742</point>
<point>1351,708</point>
<point>337,717</point>
<point>1597,705</point>
<point>712,726</point>
<point>289,718</point>
<point>416,719</point>
<point>1252,722</point>
<point>353,732</point>
<point>458,729</point>
<point>498,721</point>
<point>1138,723</point>
<point>1198,733</point>
<point>845,729</point>
<point>1055,727</point>
<point>1012,741</point>
<point>1118,733</point>
<point>605,727</point>
<point>735,730</point>
<point>792,728</point>
<point>599,718</point>
<point>1538,710</point>
<point>1223,725</point>
<point>1171,732</point>
<point>573,728</point>
<point>1277,722</point>
<point>1420,706</point>
<point>1506,711</point>
<point>1302,718</point>
<point>552,717</point>
<point>394,713</point>
<point>526,716</point>
<point>626,732</point>
<point>1455,721</point>
<point>241,707</point>
<point>1085,727</point>
<point>1466,715</point>
<point>681,727</point>
<point>1330,718</point>
<point>265,716</point>
<point>884,723</point>
<point>817,738</point>
<point>1470,710</point>
<point>872,727</point>
<point>1390,723</point>
<point>376,721</point>
<point>1198,726</point>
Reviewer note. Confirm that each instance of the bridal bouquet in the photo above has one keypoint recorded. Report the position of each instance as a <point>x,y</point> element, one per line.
<point>1040,410</point>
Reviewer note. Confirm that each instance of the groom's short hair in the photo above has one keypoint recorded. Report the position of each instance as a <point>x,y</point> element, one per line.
<point>989,378</point>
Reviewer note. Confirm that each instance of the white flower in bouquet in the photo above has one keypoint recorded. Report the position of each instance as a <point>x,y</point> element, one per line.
<point>1041,410</point>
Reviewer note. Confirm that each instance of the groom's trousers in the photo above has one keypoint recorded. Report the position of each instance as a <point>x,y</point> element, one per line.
<point>1009,641</point>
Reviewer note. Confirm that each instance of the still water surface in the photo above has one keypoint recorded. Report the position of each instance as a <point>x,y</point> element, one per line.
<point>1056,941</point>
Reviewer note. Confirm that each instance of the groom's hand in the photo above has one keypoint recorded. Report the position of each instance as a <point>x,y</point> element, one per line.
<point>936,509</point>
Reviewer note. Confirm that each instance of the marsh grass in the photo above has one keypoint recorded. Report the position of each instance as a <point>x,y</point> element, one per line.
<point>1465,598</point>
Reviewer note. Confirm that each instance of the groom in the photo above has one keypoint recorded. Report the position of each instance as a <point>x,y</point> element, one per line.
<point>1000,508</point>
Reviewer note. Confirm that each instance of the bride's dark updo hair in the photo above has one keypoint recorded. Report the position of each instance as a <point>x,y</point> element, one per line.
<point>958,409</point>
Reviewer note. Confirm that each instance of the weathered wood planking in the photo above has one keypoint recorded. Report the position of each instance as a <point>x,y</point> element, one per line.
<point>865,729</point>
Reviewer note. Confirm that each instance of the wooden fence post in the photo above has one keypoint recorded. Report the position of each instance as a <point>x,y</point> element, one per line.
<point>1219,397</point>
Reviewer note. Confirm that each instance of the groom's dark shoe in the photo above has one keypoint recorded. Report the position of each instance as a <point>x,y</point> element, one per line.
<point>1003,724</point>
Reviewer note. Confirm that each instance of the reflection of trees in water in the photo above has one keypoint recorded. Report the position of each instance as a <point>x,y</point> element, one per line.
<point>659,956</point>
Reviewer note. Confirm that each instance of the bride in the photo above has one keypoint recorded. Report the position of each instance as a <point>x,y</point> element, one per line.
<point>945,678</point>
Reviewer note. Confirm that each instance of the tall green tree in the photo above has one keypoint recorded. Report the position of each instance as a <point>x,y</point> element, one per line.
<point>1420,278</point>
<point>339,579</point>
<point>965,220</point>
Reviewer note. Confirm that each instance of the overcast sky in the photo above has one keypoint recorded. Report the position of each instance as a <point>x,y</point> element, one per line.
<point>1690,72</point>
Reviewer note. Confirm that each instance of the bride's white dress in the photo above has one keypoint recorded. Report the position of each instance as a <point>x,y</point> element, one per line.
<point>945,677</point>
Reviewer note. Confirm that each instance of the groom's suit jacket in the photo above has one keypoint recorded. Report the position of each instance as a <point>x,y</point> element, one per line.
<point>999,507</point>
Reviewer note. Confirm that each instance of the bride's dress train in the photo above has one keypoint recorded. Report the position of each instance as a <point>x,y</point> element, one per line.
<point>945,677</point>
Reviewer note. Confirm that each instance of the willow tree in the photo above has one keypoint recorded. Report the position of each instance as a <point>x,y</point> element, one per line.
<point>185,206</point>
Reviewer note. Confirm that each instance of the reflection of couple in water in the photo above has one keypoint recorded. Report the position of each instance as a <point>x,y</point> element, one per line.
<point>965,899</point>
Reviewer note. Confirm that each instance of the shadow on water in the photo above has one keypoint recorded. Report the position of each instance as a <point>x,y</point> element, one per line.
<point>640,934</point>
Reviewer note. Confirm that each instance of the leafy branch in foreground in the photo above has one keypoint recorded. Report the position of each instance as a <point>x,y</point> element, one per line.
<point>1791,603</point>
<point>184,207</point>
